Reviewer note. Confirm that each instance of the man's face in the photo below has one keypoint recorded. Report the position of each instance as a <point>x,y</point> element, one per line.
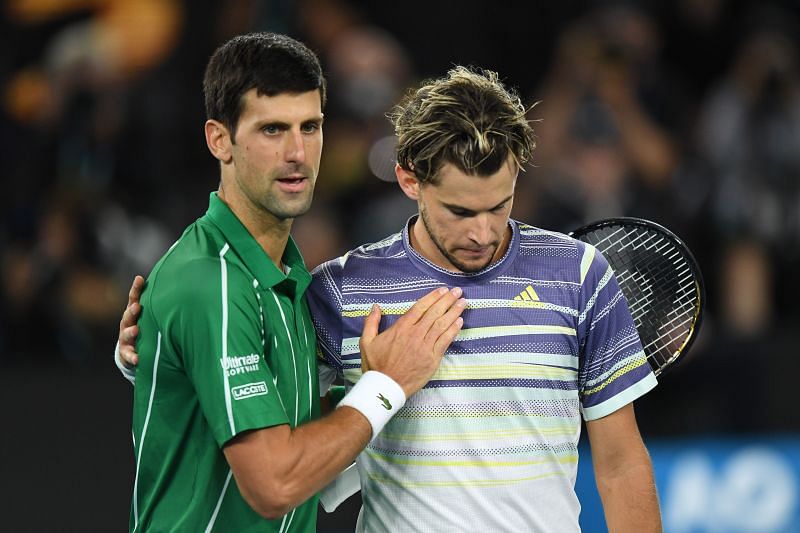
<point>465,218</point>
<point>277,150</point>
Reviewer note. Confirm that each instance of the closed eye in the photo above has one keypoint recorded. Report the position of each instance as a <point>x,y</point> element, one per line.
<point>467,213</point>
<point>463,213</point>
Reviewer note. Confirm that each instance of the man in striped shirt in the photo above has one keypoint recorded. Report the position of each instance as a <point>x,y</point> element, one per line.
<point>490,443</point>
<point>226,385</point>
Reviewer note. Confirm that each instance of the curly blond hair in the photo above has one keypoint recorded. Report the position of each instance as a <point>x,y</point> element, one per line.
<point>468,118</point>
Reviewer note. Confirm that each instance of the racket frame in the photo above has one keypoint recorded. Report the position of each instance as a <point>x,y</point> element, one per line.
<point>700,286</point>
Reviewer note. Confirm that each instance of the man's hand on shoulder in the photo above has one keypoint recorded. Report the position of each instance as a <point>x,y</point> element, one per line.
<point>128,330</point>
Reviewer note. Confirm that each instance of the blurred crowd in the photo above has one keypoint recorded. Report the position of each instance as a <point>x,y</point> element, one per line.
<point>686,112</point>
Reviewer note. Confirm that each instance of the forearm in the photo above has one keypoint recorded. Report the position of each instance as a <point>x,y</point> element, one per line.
<point>293,464</point>
<point>629,496</point>
<point>624,473</point>
<point>323,450</point>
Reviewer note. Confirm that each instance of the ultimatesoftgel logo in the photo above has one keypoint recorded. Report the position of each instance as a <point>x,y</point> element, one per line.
<point>259,388</point>
<point>240,364</point>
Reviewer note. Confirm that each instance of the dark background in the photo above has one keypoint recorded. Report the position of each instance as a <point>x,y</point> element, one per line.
<point>686,112</point>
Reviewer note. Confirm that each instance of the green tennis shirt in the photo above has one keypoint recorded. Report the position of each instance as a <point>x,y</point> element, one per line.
<point>226,345</point>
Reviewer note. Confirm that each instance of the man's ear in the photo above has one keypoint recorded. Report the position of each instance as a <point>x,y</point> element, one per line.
<point>408,182</point>
<point>218,139</point>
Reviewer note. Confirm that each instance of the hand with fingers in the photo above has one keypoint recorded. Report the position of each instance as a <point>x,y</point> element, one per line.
<point>128,330</point>
<point>411,349</point>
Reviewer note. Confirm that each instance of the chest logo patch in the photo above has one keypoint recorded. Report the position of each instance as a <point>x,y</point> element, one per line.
<point>242,392</point>
<point>527,295</point>
<point>528,298</point>
<point>240,364</point>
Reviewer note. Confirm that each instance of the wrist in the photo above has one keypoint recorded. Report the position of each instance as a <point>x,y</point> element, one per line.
<point>376,396</point>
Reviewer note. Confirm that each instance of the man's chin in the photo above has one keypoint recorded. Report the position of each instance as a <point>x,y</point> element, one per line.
<point>470,266</point>
<point>287,210</point>
<point>291,214</point>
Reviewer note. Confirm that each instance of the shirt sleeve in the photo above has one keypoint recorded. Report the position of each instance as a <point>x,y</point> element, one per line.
<point>326,376</point>
<point>215,326</point>
<point>613,368</point>
<point>325,302</point>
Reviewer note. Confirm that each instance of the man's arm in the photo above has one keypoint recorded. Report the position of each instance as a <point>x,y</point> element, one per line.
<point>278,468</point>
<point>624,473</point>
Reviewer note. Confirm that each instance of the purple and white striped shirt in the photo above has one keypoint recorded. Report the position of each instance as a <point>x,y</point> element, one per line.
<point>491,442</point>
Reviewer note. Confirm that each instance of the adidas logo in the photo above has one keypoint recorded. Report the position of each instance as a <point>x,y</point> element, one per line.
<point>528,295</point>
<point>528,298</point>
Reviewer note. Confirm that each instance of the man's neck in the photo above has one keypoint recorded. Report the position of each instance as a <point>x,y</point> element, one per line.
<point>269,232</point>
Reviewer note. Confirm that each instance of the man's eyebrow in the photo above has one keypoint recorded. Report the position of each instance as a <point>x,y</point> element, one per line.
<point>285,125</point>
<point>277,123</point>
<point>462,208</point>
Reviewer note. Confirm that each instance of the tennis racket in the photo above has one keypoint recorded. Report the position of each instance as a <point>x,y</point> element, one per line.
<point>659,277</point>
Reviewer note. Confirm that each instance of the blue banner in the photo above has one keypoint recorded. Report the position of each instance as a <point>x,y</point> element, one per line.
<point>714,485</point>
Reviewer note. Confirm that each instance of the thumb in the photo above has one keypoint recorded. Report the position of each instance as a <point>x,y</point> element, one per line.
<point>371,324</point>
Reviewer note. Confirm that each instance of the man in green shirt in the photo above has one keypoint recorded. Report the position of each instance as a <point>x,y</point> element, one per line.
<point>226,393</point>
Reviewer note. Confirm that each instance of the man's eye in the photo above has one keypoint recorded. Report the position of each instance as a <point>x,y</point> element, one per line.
<point>310,128</point>
<point>270,129</point>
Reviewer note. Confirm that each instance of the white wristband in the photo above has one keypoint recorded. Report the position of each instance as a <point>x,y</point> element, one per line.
<point>376,396</point>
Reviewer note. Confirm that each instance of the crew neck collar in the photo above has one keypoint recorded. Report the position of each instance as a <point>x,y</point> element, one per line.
<point>455,278</point>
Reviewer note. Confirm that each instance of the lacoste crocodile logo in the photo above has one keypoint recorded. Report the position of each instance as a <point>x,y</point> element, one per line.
<point>386,403</point>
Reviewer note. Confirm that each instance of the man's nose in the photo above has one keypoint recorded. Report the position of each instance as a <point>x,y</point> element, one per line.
<point>295,149</point>
<point>480,230</point>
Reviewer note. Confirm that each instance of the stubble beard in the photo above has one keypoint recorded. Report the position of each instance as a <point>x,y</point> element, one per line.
<point>283,210</point>
<point>461,266</point>
<point>285,206</point>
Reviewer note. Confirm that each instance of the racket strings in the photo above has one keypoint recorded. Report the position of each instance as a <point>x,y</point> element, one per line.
<point>658,282</point>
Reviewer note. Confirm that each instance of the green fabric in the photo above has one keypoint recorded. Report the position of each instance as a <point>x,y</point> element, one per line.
<point>226,345</point>
<point>336,393</point>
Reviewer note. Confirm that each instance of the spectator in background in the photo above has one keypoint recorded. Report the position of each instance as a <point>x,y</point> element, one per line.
<point>71,104</point>
<point>56,297</point>
<point>370,70</point>
<point>750,133</point>
<point>607,145</point>
<point>749,136</point>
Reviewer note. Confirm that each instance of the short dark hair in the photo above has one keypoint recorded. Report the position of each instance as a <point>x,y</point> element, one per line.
<point>270,63</point>
<point>468,119</point>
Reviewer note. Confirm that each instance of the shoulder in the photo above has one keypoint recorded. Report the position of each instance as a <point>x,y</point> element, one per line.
<point>542,239</point>
<point>358,258</point>
<point>565,250</point>
<point>196,270</point>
